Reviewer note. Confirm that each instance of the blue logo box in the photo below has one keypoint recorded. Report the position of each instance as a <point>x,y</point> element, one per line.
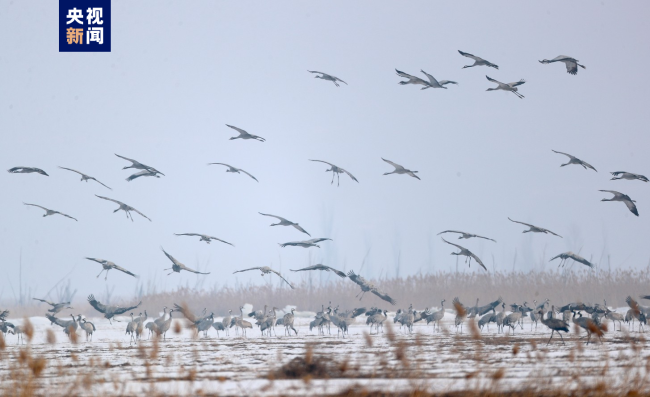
<point>84,25</point>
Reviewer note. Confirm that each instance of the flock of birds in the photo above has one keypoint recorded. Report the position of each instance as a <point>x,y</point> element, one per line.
<point>333,316</point>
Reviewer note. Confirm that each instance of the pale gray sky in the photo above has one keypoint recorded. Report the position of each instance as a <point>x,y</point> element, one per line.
<point>179,71</point>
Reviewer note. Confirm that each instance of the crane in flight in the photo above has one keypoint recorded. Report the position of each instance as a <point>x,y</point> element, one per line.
<point>178,266</point>
<point>108,265</point>
<point>49,212</point>
<point>265,270</point>
<point>465,252</point>
<point>336,171</point>
<point>478,61</point>
<point>570,63</point>
<point>510,87</point>
<point>328,77</point>
<point>85,177</point>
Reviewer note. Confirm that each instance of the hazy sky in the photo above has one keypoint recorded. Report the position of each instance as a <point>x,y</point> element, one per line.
<point>179,71</point>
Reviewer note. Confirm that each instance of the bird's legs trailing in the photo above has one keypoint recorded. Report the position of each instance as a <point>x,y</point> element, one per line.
<point>100,273</point>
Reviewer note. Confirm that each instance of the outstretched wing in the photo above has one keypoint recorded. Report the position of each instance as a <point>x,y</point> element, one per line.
<point>520,82</point>
<point>227,165</point>
<point>116,267</point>
<point>455,245</point>
<point>406,75</point>
<point>468,55</point>
<point>44,301</point>
<point>122,310</point>
<point>384,296</point>
<point>100,261</point>
<point>526,224</point>
<point>337,272</point>
<point>188,314</point>
<point>350,175</point>
<point>337,79</point>
<point>70,169</point>
<point>248,174</point>
<point>192,270</point>
<point>298,227</point>
<point>218,239</point>
<point>189,234</point>
<point>476,258</point>
<point>67,216</point>
<point>110,199</point>
<point>274,216</point>
<point>285,280</point>
<point>321,161</point>
<point>171,258</point>
<point>357,279</point>
<point>58,321</point>
<point>100,307</point>
<point>486,238</point>
<point>397,166</point>
<point>443,82</point>
<point>318,240</point>
<point>450,231</point>
<point>133,209</point>
<point>35,205</point>
<point>96,180</point>
<point>245,270</point>
<point>237,129</point>
<point>128,159</point>
<point>566,154</point>
<point>632,207</point>
<point>313,71</point>
<point>555,234</point>
<point>580,259</point>
<point>493,80</point>
<point>432,79</point>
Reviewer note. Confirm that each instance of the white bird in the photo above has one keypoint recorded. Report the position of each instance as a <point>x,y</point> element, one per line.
<point>233,169</point>
<point>466,235</point>
<point>138,165</point>
<point>306,243</point>
<point>575,160</point>
<point>85,177</point>
<point>511,87</point>
<point>465,252</point>
<point>177,266</point>
<point>142,173</point>
<point>286,222</point>
<point>570,63</point>
<point>108,265</point>
<point>328,77</point>
<point>433,83</point>
<point>265,270</point>
<point>399,169</point>
<point>477,61</point>
<point>245,135</point>
<point>618,196</point>
<point>203,237</point>
<point>336,171</point>
<point>49,212</point>
<point>534,229</point>
<point>628,175</point>
<point>26,170</point>
<point>124,207</point>
<point>570,255</point>
<point>412,80</point>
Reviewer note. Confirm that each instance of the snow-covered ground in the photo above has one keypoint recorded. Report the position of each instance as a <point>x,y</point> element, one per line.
<point>236,365</point>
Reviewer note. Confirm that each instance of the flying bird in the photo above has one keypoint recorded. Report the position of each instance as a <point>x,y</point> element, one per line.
<point>433,83</point>
<point>204,237</point>
<point>628,175</point>
<point>142,173</point>
<point>108,310</point>
<point>245,135</point>
<point>56,307</point>
<point>477,61</point>
<point>108,265</point>
<point>286,222</point>
<point>412,80</point>
<point>369,287</point>
<point>85,177</point>
<point>575,160</point>
<point>618,196</point>
<point>265,270</point>
<point>321,267</point>
<point>328,77</point>
<point>138,165</point>
<point>177,266</point>
<point>306,243</point>
<point>534,229</point>
<point>233,169</point>
<point>511,87</point>
<point>124,207</point>
<point>26,170</point>
<point>466,235</point>
<point>570,63</point>
<point>399,169</point>
<point>465,252</point>
<point>570,255</point>
<point>49,212</point>
<point>336,171</point>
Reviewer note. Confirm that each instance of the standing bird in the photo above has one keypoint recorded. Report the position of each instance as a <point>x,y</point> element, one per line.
<point>328,77</point>
<point>321,267</point>
<point>556,325</point>
<point>204,237</point>
<point>570,63</point>
<point>286,222</point>
<point>177,266</point>
<point>570,255</point>
<point>287,321</point>
<point>534,229</point>
<point>56,307</point>
<point>465,252</point>
<point>85,177</point>
<point>234,170</point>
<point>49,212</point>
<point>89,328</point>
<point>26,170</point>
<point>477,61</point>
<point>245,135</point>
<point>412,80</point>
<point>575,160</point>
<point>108,265</point>
<point>399,169</point>
<point>226,322</point>
<point>628,175</point>
<point>624,198</point>
<point>108,310</point>
<point>306,243</point>
<point>511,87</point>
<point>336,171</point>
<point>124,207</point>
<point>466,235</point>
<point>265,270</point>
<point>369,287</point>
<point>130,329</point>
<point>433,83</point>
<point>138,165</point>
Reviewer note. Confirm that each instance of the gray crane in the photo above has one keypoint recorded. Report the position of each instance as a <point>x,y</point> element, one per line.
<point>509,87</point>
<point>268,322</point>
<point>588,325</point>
<point>84,177</point>
<point>164,326</point>
<point>218,326</point>
<point>321,267</point>
<point>486,319</point>
<point>466,235</point>
<point>461,314</point>
<point>477,61</point>
<point>435,317</point>
<point>203,237</point>
<point>500,317</point>
<point>481,310</point>
<point>412,80</point>
<point>377,320</point>
<point>69,326</point>
<point>336,170</point>
<point>49,212</point>
<point>130,329</point>
<point>56,307</point>
<point>556,325</point>
<point>570,255</point>
<point>139,328</point>
<point>628,175</point>
<point>265,270</point>
<point>286,222</point>
<point>570,63</point>
<point>400,170</point>
<point>245,135</point>
<point>109,311</point>
<point>614,317</point>
<point>287,321</point>
<point>636,311</point>
<point>241,323</point>
<point>369,287</point>
<point>433,83</point>
<point>618,196</point>
<point>575,160</point>
<point>234,169</point>
<point>124,207</point>
<point>465,252</point>
<point>226,322</point>
<point>138,165</point>
<point>26,170</point>
<point>306,244</point>
<point>512,319</point>
<point>108,265</point>
<point>534,229</point>
<point>328,77</point>
<point>141,174</point>
<point>158,322</point>
<point>89,328</point>
<point>201,322</point>
<point>178,266</point>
